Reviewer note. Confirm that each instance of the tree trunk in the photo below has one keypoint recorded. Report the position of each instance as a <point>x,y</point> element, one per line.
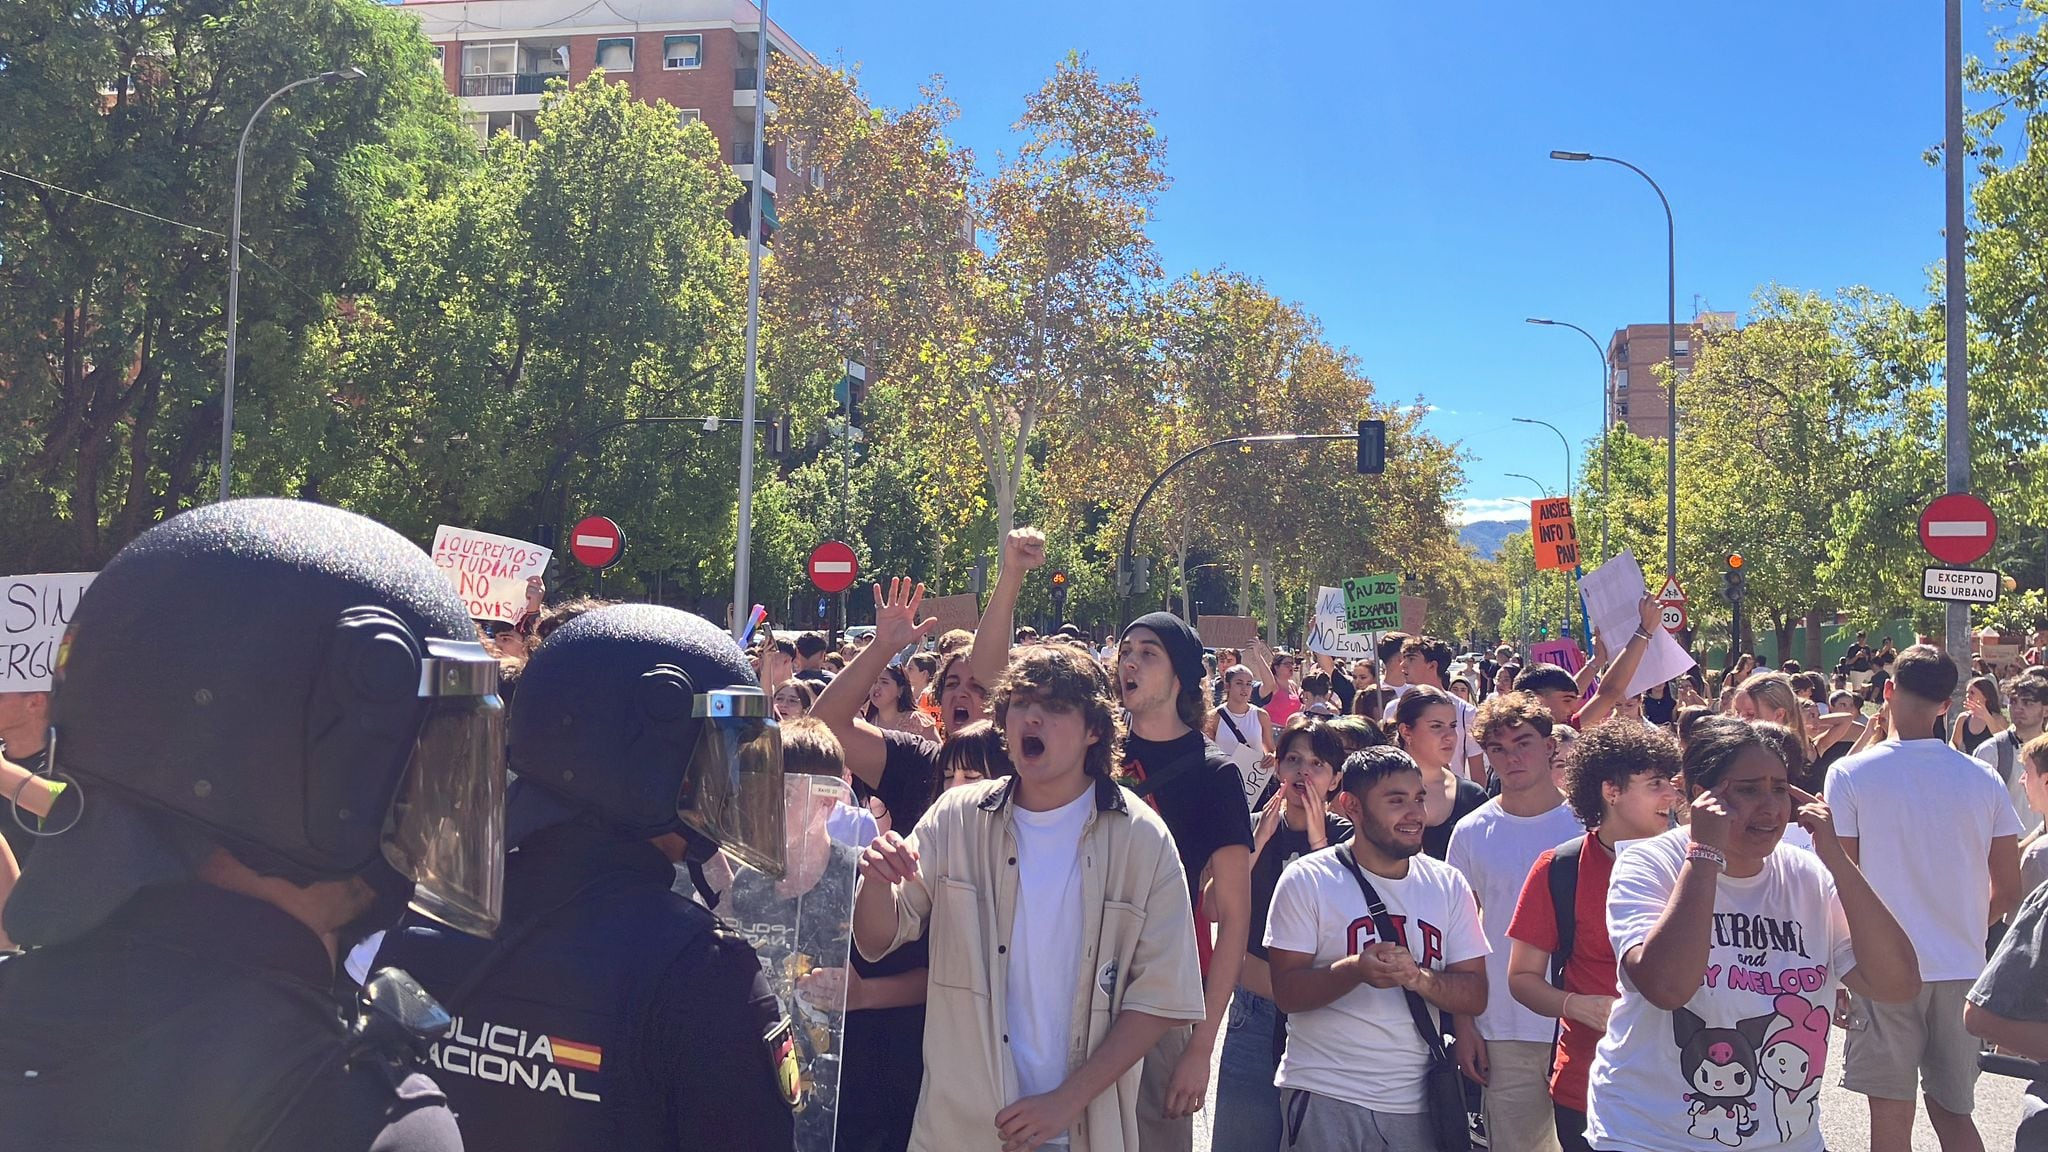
<point>1817,623</point>
<point>1244,584</point>
<point>1782,625</point>
<point>1271,584</point>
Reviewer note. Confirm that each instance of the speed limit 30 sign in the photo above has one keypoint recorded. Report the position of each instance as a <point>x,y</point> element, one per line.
<point>1674,616</point>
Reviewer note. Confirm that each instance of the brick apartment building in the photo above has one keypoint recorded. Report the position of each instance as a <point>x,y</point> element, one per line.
<point>1635,395</point>
<point>698,55</point>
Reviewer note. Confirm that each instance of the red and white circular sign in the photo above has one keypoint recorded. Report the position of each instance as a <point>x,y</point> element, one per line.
<point>833,567</point>
<point>1674,615</point>
<point>597,542</point>
<point>1958,529</point>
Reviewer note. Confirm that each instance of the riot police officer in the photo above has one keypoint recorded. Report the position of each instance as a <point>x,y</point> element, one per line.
<point>612,1013</point>
<point>279,729</point>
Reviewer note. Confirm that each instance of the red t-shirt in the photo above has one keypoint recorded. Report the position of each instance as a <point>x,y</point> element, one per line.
<point>1591,969</point>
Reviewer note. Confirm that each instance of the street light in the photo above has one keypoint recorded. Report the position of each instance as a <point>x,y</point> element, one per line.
<point>1569,486</point>
<point>1606,416</point>
<point>227,406</point>
<point>1671,333</point>
<point>1540,485</point>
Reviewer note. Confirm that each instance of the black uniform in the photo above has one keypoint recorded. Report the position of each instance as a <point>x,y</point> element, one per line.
<point>204,1020</point>
<point>626,1019</point>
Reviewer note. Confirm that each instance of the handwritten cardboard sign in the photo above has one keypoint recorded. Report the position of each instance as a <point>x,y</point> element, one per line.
<point>488,571</point>
<point>1552,534</point>
<point>961,611</point>
<point>34,611</point>
<point>1372,603</point>
<point>1227,631</point>
<point>1327,634</point>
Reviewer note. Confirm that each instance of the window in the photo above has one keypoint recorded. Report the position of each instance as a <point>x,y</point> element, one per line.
<point>682,52</point>
<point>689,116</point>
<point>615,55</point>
<point>1621,380</point>
<point>1682,347</point>
<point>1621,410</point>
<point>489,59</point>
<point>817,176</point>
<point>487,126</point>
<point>440,57</point>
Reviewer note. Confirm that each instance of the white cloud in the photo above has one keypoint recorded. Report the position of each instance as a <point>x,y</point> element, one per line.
<point>1495,508</point>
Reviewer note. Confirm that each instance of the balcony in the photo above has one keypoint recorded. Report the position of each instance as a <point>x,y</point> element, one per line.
<point>742,160</point>
<point>744,94</point>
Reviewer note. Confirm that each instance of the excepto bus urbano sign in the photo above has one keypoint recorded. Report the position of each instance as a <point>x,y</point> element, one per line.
<point>1968,585</point>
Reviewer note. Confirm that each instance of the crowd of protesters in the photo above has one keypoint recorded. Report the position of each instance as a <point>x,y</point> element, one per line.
<point>1416,901</point>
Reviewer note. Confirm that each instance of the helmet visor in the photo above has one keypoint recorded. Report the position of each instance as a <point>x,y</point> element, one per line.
<point>732,792</point>
<point>447,829</point>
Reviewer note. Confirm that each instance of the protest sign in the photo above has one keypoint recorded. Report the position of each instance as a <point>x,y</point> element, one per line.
<point>1563,653</point>
<point>34,611</point>
<point>1227,631</point>
<point>1372,603</point>
<point>489,572</point>
<point>962,611</point>
<point>1614,595</point>
<point>1552,535</point>
<point>1327,635</point>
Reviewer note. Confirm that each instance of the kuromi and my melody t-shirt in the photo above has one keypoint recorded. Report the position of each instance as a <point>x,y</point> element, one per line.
<point>1740,1065</point>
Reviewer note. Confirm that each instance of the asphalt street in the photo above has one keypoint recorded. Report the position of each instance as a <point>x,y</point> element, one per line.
<point>1844,1116</point>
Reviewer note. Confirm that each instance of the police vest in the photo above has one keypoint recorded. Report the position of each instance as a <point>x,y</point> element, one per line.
<point>549,1049</point>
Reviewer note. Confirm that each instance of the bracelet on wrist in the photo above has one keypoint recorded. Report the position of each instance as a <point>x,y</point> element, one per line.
<point>1708,853</point>
<point>1566,1014</point>
<point>1642,633</point>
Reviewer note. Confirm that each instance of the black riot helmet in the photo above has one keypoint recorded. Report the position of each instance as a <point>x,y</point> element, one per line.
<point>648,720</point>
<point>294,683</point>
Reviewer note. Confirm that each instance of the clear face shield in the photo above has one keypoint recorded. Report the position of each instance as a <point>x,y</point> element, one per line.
<point>732,793</point>
<point>447,828</point>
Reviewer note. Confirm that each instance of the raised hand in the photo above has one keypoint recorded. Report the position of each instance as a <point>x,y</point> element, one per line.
<point>896,622</point>
<point>1711,822</point>
<point>1023,550</point>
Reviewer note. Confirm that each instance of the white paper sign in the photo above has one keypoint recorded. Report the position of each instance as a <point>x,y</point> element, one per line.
<point>1612,593</point>
<point>488,571</point>
<point>1326,634</point>
<point>34,611</point>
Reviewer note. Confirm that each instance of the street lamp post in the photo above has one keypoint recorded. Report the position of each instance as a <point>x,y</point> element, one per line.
<point>1606,418</point>
<point>1540,485</point>
<point>1671,334</point>
<point>743,547</point>
<point>1570,484</point>
<point>227,403</point>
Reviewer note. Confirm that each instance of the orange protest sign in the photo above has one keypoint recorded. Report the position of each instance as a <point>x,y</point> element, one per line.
<point>1551,534</point>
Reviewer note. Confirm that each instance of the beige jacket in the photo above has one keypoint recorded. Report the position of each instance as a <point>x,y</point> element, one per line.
<point>1138,934</point>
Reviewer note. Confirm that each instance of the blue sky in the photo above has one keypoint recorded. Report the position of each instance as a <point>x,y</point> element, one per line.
<point>1387,165</point>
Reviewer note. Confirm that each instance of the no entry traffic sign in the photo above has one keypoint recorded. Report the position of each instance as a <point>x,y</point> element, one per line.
<point>1958,528</point>
<point>833,567</point>
<point>597,542</point>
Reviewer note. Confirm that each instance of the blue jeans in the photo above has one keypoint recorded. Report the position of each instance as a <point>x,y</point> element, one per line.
<point>1247,1101</point>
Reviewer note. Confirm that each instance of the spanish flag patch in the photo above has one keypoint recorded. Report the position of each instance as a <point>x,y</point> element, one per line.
<point>781,1045</point>
<point>588,1057</point>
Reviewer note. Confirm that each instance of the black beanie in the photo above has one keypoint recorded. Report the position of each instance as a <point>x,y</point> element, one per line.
<point>1182,643</point>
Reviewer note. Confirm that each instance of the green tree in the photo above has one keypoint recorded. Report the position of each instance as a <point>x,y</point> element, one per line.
<point>111,323</point>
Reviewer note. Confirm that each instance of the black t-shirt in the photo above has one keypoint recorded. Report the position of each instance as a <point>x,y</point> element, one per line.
<point>1286,846</point>
<point>1436,839</point>
<point>1202,802</point>
<point>910,777</point>
<point>1345,691</point>
<point>1858,657</point>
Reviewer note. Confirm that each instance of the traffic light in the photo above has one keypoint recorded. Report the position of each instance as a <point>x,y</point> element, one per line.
<point>1372,447</point>
<point>1734,578</point>
<point>1059,592</point>
<point>1141,575</point>
<point>778,436</point>
<point>1123,577</point>
<point>852,392</point>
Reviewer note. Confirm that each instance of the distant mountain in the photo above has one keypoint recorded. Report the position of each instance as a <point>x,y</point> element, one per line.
<point>1485,536</point>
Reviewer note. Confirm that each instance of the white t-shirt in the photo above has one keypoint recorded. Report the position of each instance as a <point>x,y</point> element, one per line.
<point>1045,943</point>
<point>1495,850</point>
<point>2005,746</point>
<point>1248,754</point>
<point>1740,1065</point>
<point>1362,1048</point>
<point>1925,816</point>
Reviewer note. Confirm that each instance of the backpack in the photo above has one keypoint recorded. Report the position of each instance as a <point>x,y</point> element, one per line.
<point>1564,897</point>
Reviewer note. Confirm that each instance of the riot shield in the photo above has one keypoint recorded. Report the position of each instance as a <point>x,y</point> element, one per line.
<point>801,926</point>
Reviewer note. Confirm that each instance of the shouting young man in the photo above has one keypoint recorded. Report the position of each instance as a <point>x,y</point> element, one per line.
<point>1196,790</point>
<point>1061,933</point>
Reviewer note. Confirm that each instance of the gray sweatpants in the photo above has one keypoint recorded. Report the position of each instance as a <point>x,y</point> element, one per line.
<point>1313,1123</point>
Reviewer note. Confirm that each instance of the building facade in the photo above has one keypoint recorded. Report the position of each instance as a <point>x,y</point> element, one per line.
<point>1635,391</point>
<point>697,55</point>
